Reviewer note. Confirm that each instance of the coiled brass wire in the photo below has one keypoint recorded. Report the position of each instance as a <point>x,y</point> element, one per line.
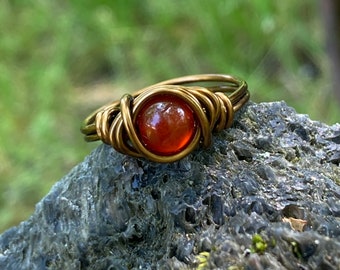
<point>213,105</point>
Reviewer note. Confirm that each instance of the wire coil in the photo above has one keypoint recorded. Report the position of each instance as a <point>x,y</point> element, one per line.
<point>213,105</point>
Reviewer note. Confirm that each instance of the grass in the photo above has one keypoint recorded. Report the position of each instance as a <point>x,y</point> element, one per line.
<point>61,59</point>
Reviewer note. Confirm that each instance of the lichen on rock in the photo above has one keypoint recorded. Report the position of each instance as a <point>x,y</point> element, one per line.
<point>116,212</point>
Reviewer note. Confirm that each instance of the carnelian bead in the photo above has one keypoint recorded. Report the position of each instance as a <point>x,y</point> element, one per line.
<point>165,124</point>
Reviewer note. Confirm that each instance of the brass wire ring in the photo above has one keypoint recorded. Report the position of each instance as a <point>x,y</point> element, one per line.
<point>213,107</point>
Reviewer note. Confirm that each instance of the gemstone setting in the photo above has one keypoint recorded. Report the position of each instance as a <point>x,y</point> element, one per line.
<point>165,124</point>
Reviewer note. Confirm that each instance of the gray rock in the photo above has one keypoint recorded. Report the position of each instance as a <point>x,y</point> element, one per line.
<point>116,212</point>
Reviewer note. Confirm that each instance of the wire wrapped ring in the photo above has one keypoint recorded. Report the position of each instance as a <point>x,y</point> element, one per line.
<point>168,120</point>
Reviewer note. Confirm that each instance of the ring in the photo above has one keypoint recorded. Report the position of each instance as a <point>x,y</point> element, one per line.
<point>166,121</point>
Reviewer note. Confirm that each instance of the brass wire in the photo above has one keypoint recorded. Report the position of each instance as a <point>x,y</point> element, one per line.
<point>214,107</point>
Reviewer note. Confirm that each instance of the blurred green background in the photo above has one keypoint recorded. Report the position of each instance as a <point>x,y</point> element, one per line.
<point>59,60</point>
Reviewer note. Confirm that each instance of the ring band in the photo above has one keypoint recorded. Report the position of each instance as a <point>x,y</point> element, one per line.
<point>166,121</point>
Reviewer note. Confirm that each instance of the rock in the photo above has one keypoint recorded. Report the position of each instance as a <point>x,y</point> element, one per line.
<point>117,212</point>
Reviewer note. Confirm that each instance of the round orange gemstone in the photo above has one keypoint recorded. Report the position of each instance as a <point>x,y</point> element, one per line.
<point>166,124</point>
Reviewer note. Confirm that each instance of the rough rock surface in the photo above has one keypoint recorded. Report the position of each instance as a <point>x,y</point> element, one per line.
<point>265,195</point>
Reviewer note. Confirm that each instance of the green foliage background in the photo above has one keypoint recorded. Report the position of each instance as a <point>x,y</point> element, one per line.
<point>59,60</point>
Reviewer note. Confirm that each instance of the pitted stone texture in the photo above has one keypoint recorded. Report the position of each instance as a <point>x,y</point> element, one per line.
<point>116,212</point>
